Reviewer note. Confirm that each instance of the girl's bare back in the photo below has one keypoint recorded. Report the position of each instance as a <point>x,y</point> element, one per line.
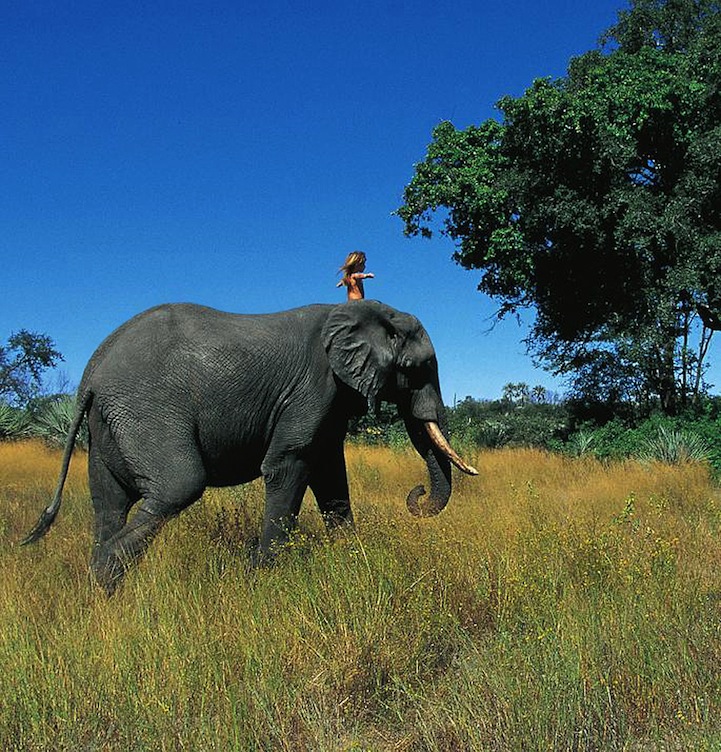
<point>354,274</point>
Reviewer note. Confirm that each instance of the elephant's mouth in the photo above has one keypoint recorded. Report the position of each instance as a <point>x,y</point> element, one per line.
<point>437,437</point>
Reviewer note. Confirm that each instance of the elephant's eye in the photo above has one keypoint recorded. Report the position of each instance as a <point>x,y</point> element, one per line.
<point>415,374</point>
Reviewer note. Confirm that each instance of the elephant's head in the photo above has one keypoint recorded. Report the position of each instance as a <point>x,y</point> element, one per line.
<point>385,354</point>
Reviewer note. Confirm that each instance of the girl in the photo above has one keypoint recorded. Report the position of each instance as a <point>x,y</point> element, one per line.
<point>353,275</point>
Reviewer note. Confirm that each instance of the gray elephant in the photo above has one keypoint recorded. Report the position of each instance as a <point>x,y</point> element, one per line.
<point>182,397</point>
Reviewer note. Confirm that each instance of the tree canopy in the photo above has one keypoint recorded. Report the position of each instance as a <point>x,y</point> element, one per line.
<point>23,361</point>
<point>596,200</point>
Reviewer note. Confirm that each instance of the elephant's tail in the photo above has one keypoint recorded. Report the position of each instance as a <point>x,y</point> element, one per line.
<point>50,513</point>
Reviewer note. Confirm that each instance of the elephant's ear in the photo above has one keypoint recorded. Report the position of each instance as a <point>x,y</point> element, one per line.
<point>360,340</point>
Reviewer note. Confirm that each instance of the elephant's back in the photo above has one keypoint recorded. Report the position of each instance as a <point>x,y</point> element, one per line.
<point>173,322</point>
<point>128,338</point>
<point>187,350</point>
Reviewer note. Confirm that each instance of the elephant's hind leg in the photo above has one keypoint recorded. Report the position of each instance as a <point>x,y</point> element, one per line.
<point>116,554</point>
<point>111,500</point>
<point>112,558</point>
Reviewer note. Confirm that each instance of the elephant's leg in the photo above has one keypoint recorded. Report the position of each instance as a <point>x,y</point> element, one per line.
<point>329,483</point>
<point>116,555</point>
<point>111,501</point>
<point>285,484</point>
<point>177,488</point>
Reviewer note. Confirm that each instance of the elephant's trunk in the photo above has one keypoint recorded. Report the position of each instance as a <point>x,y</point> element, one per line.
<point>433,446</point>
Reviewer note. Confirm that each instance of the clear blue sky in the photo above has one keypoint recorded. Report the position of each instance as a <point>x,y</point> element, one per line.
<point>232,153</point>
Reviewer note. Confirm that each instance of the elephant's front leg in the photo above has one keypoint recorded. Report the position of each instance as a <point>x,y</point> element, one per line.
<point>329,483</point>
<point>285,483</point>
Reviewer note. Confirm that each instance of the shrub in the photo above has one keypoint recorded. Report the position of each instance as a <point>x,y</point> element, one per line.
<point>492,425</point>
<point>52,419</point>
<point>675,446</point>
<point>15,424</point>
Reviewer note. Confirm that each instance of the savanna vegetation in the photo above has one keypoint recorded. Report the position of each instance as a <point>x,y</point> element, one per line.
<point>28,408</point>
<point>534,418</point>
<point>558,603</point>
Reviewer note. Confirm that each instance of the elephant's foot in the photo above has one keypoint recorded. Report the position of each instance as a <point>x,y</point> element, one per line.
<point>259,558</point>
<point>108,569</point>
<point>337,516</point>
<point>341,530</point>
<point>112,559</point>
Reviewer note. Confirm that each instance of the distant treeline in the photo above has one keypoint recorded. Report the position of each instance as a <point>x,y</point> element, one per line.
<point>536,418</point>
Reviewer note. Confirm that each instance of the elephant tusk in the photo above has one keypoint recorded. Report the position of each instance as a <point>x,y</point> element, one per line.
<point>439,440</point>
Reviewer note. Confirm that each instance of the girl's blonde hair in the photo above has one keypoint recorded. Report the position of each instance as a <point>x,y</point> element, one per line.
<point>352,262</point>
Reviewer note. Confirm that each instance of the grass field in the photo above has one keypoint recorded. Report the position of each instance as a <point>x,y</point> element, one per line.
<point>557,604</point>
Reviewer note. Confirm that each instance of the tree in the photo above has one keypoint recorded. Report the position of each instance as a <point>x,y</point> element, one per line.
<point>596,201</point>
<point>517,394</point>
<point>22,363</point>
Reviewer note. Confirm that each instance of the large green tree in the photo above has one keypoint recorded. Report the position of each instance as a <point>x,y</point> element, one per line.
<point>595,199</point>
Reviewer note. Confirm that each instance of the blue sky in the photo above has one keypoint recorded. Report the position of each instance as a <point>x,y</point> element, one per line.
<point>232,153</point>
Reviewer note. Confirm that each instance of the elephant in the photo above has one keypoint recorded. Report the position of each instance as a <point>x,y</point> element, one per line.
<point>182,397</point>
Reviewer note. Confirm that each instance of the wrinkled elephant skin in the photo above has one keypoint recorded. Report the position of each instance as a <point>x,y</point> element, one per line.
<point>183,397</point>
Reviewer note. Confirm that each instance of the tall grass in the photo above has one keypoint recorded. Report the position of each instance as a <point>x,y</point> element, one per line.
<point>557,604</point>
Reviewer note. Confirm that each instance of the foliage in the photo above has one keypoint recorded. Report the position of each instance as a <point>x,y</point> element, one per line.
<point>51,419</point>
<point>557,603</point>
<point>612,440</point>
<point>47,418</point>
<point>675,446</point>
<point>382,428</point>
<point>508,422</point>
<point>526,417</point>
<point>23,361</point>
<point>688,438</point>
<point>523,417</point>
<point>14,423</point>
<point>596,201</point>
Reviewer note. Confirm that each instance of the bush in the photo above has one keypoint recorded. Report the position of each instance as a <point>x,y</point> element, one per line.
<point>474,424</point>
<point>675,447</point>
<point>48,418</point>
<point>492,425</point>
<point>659,438</point>
<point>52,420</point>
<point>614,440</point>
<point>15,424</point>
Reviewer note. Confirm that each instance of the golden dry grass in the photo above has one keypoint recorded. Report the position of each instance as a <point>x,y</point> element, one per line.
<point>556,603</point>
